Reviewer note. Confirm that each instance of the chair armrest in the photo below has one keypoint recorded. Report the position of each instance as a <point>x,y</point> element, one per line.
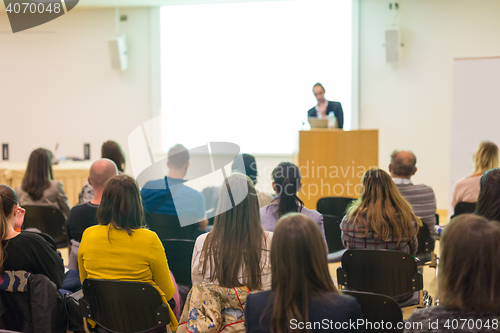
<point>163,315</point>
<point>417,282</point>
<point>85,308</point>
<point>341,277</point>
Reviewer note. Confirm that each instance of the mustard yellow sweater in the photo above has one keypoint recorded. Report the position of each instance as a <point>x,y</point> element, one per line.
<point>111,254</point>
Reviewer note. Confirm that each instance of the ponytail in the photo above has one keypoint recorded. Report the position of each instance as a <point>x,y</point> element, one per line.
<point>286,177</point>
<point>8,199</point>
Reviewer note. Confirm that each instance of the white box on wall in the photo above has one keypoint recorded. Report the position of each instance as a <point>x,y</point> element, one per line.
<point>118,53</point>
<point>392,45</point>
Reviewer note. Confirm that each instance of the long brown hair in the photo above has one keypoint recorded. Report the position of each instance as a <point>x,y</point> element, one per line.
<point>485,157</point>
<point>8,199</point>
<point>113,151</point>
<point>469,272</point>
<point>38,173</point>
<point>237,239</point>
<point>299,270</point>
<point>121,204</point>
<point>382,209</point>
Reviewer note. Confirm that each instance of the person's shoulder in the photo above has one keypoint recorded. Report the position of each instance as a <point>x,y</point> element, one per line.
<point>28,236</point>
<point>259,298</point>
<point>95,229</point>
<point>313,214</point>
<point>81,207</point>
<point>157,184</point>
<point>200,240</point>
<point>56,184</point>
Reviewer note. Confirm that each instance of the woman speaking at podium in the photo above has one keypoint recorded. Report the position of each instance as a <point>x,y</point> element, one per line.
<point>324,107</point>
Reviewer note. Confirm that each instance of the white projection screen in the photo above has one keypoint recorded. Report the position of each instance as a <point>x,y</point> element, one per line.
<point>476,112</point>
<point>243,72</point>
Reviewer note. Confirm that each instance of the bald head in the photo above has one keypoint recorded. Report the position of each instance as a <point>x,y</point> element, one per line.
<point>100,172</point>
<point>403,164</point>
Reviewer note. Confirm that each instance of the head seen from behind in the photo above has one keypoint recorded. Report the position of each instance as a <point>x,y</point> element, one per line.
<point>121,204</point>
<point>237,238</point>
<point>319,93</point>
<point>100,172</point>
<point>299,269</point>
<point>113,151</point>
<point>469,272</point>
<point>382,209</point>
<point>488,203</point>
<point>8,207</point>
<point>178,161</point>
<point>286,183</point>
<point>246,164</point>
<point>485,157</point>
<point>38,173</point>
<point>403,164</point>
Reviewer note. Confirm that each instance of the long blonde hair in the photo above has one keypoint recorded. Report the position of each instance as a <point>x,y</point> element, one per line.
<point>382,209</point>
<point>486,157</point>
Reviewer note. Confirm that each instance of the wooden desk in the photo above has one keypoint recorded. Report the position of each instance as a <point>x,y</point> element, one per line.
<point>71,174</point>
<point>332,162</point>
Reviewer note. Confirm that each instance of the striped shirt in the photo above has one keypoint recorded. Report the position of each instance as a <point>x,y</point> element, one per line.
<point>422,199</point>
<point>354,238</point>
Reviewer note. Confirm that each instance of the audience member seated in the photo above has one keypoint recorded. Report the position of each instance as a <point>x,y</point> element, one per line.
<point>159,195</point>
<point>467,189</point>
<point>381,218</point>
<point>236,252</point>
<point>302,288</point>
<point>247,165</point>
<point>488,203</point>
<point>469,279</point>
<point>38,186</point>
<point>286,184</point>
<point>110,150</point>
<point>421,197</point>
<point>119,248</point>
<point>28,251</point>
<point>84,215</point>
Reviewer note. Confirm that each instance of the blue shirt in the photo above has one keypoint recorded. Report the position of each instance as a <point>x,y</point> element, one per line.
<point>171,197</point>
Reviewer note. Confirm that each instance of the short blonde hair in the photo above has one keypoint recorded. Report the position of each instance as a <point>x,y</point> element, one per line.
<point>486,157</point>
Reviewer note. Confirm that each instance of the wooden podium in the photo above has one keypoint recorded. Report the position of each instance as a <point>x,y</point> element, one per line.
<point>332,162</point>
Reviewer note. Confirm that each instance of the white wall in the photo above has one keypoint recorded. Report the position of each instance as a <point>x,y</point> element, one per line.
<point>57,84</point>
<point>411,103</point>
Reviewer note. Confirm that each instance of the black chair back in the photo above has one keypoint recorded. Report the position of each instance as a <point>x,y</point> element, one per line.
<point>48,220</point>
<point>122,306</point>
<point>385,272</point>
<point>333,210</point>
<point>425,241</point>
<point>464,208</point>
<point>169,227</point>
<point>377,308</point>
<point>179,255</point>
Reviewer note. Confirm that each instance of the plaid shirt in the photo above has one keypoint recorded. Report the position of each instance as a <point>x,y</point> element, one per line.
<point>352,238</point>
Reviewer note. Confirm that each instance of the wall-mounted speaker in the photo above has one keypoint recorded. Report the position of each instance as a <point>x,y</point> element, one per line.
<point>392,45</point>
<point>118,53</point>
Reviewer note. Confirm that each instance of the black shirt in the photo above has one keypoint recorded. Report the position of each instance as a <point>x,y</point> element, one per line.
<point>80,218</point>
<point>324,312</point>
<point>29,252</point>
